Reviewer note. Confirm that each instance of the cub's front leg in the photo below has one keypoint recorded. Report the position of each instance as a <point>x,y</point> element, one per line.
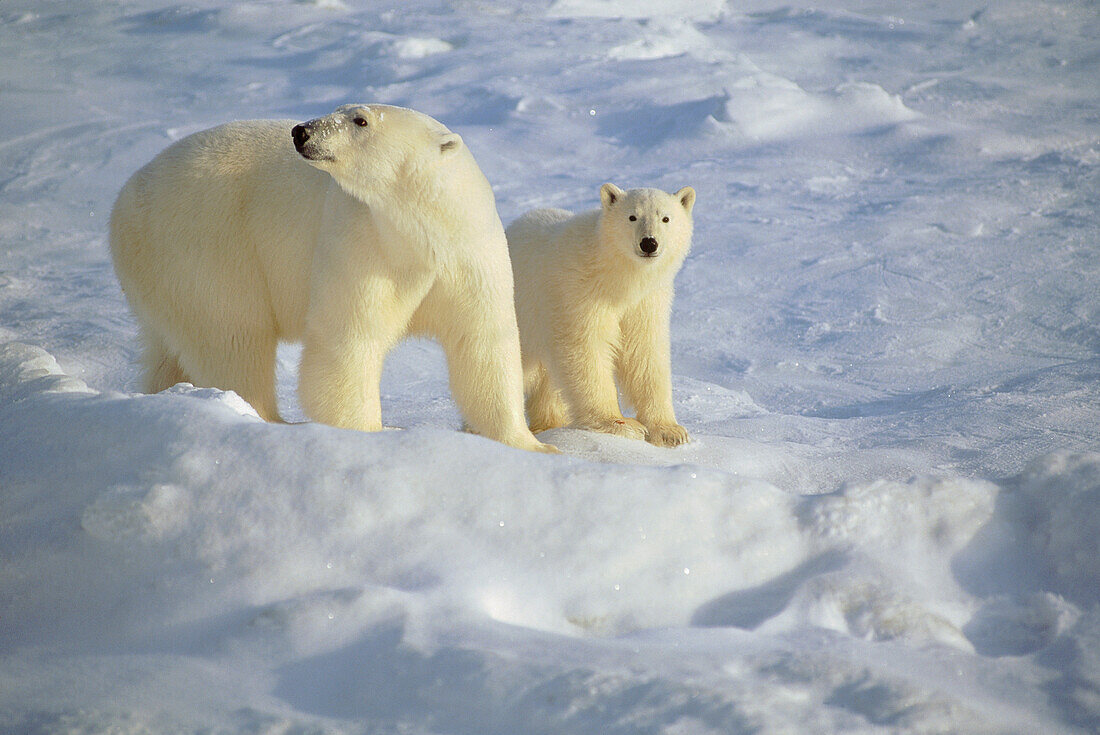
<point>645,368</point>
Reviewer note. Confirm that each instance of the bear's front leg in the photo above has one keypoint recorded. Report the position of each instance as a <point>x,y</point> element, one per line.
<point>645,368</point>
<point>478,332</point>
<point>338,382</point>
<point>584,367</point>
<point>351,326</point>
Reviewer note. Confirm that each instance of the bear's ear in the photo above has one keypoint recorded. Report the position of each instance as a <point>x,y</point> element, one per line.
<point>609,194</point>
<point>449,143</point>
<point>686,197</point>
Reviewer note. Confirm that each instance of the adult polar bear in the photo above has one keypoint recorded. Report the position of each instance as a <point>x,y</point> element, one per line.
<point>379,225</point>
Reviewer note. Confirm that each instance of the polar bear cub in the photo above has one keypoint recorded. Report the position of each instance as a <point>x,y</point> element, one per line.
<point>346,232</point>
<point>593,296</point>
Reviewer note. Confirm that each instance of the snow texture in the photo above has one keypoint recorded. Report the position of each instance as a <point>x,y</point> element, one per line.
<point>885,346</point>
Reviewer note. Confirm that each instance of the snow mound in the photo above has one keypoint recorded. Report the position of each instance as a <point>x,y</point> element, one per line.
<point>1061,493</point>
<point>929,516</point>
<point>455,517</point>
<point>224,397</point>
<point>764,107</point>
<point>461,523</point>
<point>890,547</point>
<point>26,370</point>
<point>1018,626</point>
<point>665,37</point>
<point>418,48</point>
<point>468,524</point>
<point>694,9</point>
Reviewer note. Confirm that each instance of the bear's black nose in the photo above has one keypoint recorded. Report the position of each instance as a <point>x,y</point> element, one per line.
<point>300,135</point>
<point>648,245</point>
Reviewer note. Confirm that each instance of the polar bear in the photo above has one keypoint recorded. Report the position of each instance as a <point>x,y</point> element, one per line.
<point>593,295</point>
<point>346,232</point>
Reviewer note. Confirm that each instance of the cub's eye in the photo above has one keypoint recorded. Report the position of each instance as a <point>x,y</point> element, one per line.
<point>633,218</point>
<point>360,121</point>
<point>664,219</point>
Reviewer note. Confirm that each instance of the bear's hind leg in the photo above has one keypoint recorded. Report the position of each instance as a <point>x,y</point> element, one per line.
<point>243,362</point>
<point>162,367</point>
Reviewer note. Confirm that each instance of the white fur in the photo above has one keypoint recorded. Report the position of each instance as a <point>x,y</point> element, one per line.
<point>230,241</point>
<point>591,308</point>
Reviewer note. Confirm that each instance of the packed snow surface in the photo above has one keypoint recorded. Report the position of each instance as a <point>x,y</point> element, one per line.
<point>885,346</point>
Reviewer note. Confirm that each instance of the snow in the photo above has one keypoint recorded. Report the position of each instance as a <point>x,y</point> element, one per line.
<point>884,346</point>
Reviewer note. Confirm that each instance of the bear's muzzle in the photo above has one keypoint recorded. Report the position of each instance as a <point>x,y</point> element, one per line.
<point>306,144</point>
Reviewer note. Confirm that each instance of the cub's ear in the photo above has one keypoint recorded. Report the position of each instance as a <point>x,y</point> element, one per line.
<point>609,194</point>
<point>686,197</point>
<point>449,143</point>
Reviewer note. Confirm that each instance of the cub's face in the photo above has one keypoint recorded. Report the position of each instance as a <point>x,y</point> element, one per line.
<point>647,225</point>
<point>366,147</point>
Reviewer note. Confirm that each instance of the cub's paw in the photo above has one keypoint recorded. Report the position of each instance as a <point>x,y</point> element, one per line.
<point>668,435</point>
<point>620,426</point>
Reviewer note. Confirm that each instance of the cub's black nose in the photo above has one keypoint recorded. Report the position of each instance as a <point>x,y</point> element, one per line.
<point>300,135</point>
<point>648,245</point>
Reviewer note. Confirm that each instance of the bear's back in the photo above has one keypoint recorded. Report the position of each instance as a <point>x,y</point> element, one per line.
<point>233,204</point>
<point>224,158</point>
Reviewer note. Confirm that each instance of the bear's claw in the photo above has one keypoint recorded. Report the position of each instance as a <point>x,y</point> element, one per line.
<point>667,435</point>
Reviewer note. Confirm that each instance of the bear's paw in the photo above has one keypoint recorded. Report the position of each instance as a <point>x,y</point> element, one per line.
<point>667,435</point>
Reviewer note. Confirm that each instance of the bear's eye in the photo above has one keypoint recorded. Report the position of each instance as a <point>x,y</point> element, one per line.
<point>360,121</point>
<point>664,219</point>
<point>633,218</point>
